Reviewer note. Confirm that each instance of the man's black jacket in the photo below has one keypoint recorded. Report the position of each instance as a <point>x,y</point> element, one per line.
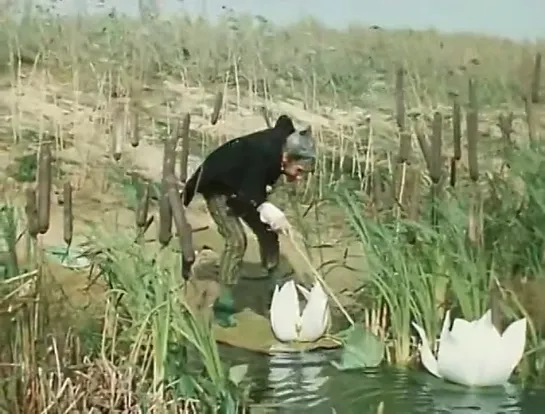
<point>242,167</point>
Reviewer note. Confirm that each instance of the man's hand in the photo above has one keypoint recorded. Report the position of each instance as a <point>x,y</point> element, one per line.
<point>274,217</point>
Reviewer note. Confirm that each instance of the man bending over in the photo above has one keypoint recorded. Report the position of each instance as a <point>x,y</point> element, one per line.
<point>233,180</point>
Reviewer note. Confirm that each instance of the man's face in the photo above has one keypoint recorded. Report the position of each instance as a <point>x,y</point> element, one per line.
<point>294,170</point>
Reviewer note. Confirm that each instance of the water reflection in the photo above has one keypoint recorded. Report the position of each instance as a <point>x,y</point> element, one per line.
<point>297,379</point>
<point>307,383</point>
<point>448,398</point>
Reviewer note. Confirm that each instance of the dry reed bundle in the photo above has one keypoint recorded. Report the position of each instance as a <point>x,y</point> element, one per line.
<point>142,210</point>
<point>185,236</point>
<point>119,132</point>
<point>183,228</point>
<point>184,153</point>
<point>456,138</point>
<point>405,144</point>
<point>165,209</point>
<point>31,212</point>
<point>422,139</point>
<point>68,215</point>
<point>472,131</point>
<point>135,133</point>
<point>216,110</point>
<point>44,187</point>
<point>79,383</point>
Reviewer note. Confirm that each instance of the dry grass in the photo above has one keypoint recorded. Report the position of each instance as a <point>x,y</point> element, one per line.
<point>58,374</point>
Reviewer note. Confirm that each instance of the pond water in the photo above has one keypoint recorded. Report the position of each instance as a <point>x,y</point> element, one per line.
<point>307,383</point>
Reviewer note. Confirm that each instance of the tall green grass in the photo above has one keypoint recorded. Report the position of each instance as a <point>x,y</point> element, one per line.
<point>146,283</point>
<point>417,278</point>
<point>143,350</point>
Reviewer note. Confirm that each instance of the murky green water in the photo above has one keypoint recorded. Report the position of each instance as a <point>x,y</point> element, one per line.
<point>307,383</point>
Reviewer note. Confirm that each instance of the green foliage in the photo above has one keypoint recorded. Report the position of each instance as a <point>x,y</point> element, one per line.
<point>172,351</point>
<point>514,229</point>
<point>442,267</point>
<point>396,273</point>
<point>361,349</point>
<point>25,167</point>
<point>132,186</point>
<point>147,286</point>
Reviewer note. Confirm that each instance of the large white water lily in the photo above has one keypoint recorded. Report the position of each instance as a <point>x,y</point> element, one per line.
<point>474,353</point>
<point>289,323</point>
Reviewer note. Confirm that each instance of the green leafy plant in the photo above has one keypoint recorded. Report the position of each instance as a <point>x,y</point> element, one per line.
<point>148,291</point>
<point>361,349</point>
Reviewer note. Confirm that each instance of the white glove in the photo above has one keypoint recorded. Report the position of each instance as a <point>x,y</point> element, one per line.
<point>274,217</point>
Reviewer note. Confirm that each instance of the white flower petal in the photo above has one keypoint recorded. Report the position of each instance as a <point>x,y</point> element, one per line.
<point>315,315</point>
<point>513,342</point>
<point>284,312</point>
<point>474,353</point>
<point>448,356</point>
<point>487,353</point>
<point>461,329</point>
<point>428,360</point>
<point>491,367</point>
<point>486,319</point>
<point>486,328</point>
<point>453,344</point>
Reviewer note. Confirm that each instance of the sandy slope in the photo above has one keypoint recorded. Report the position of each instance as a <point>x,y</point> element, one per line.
<point>77,120</point>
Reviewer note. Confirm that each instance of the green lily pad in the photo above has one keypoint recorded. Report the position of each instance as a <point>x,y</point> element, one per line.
<point>361,349</point>
<point>237,373</point>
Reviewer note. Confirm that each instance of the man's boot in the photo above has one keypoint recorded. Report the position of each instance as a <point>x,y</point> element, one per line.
<point>224,308</point>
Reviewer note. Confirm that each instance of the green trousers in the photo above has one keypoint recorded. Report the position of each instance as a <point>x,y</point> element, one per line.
<point>227,213</point>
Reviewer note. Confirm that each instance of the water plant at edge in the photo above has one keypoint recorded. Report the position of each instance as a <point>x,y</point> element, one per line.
<point>148,290</point>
